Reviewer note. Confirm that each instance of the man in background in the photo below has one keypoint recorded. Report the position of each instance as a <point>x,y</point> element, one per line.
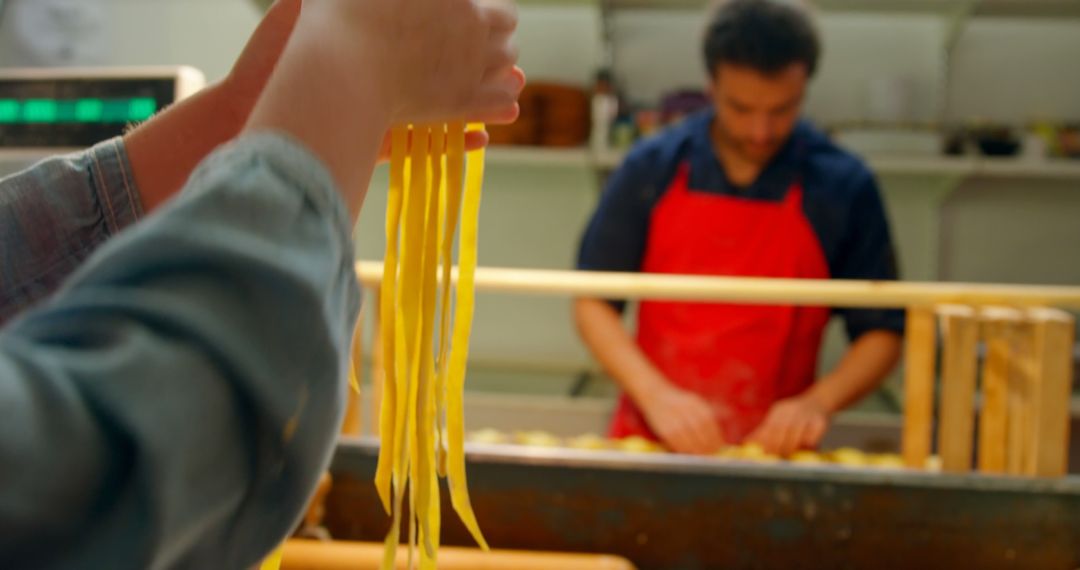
<point>746,188</point>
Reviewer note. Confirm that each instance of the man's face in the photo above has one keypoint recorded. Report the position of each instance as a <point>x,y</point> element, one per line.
<point>756,112</point>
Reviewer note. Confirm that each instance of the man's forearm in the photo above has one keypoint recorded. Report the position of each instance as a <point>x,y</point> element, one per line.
<point>869,360</point>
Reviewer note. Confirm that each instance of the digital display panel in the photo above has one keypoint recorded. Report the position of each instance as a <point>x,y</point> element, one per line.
<point>76,112</point>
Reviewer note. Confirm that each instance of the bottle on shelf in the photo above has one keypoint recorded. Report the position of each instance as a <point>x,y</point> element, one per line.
<point>605,108</point>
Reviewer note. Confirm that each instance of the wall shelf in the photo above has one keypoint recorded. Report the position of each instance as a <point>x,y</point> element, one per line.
<point>540,156</point>
<point>978,8</point>
<point>977,167</point>
<point>883,165</point>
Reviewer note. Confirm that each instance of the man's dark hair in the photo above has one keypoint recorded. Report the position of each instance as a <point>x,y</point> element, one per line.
<point>763,35</point>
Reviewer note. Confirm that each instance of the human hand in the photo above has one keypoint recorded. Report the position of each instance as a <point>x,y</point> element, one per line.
<point>251,72</point>
<point>684,421</point>
<point>792,424</point>
<point>437,60</point>
<point>354,69</point>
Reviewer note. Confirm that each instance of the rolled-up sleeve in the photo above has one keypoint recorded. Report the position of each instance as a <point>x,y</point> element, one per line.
<point>173,404</point>
<point>55,214</point>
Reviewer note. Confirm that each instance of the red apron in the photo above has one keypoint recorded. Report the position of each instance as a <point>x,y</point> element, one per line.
<point>741,358</point>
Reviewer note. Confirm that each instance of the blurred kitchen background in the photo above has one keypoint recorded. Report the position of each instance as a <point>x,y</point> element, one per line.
<point>968,112</point>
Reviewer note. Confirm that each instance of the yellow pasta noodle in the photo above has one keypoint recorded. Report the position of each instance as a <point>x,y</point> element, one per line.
<point>272,562</point>
<point>451,202</point>
<point>463,315</point>
<point>388,413</point>
<point>434,188</point>
<point>407,331</point>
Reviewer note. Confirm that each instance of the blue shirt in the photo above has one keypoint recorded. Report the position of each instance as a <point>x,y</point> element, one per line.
<point>841,200</point>
<point>53,216</point>
<point>174,402</point>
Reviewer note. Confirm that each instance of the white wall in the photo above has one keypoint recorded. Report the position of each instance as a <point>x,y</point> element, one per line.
<point>658,51</point>
<point>1017,71</point>
<point>207,34</point>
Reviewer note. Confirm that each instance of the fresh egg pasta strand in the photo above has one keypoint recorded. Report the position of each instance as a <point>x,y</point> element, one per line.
<point>430,349</point>
<point>406,329</point>
<point>452,188</point>
<point>429,560</point>
<point>412,293</point>
<point>463,315</point>
<point>387,299</point>
<point>273,562</point>
<point>425,429</point>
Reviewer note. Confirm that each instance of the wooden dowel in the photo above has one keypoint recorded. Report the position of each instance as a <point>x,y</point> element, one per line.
<point>1054,337</point>
<point>313,555</point>
<point>919,371</point>
<point>317,507</point>
<point>377,376</point>
<point>351,425</point>
<point>958,378</point>
<point>1021,460</point>
<point>832,292</point>
<point>1017,410</point>
<point>998,328</point>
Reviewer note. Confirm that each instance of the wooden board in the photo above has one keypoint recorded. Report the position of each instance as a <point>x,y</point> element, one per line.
<point>958,383</point>
<point>999,336</point>
<point>919,371</point>
<point>1053,339</point>
<point>1021,429</point>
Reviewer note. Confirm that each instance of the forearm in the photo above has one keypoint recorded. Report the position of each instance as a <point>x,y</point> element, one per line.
<point>55,214</point>
<point>175,403</point>
<point>602,330</point>
<point>868,361</point>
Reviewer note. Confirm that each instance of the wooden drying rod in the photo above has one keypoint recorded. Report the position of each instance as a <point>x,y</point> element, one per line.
<point>831,292</point>
<point>312,555</point>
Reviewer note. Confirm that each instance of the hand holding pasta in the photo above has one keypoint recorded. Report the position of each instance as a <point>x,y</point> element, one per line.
<point>353,68</point>
<point>440,59</point>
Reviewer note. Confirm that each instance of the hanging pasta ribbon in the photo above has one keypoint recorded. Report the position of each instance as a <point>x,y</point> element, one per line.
<point>434,188</point>
<point>273,562</point>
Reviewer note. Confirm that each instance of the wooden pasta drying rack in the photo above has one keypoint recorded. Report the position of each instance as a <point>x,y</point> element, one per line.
<point>1026,374</point>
